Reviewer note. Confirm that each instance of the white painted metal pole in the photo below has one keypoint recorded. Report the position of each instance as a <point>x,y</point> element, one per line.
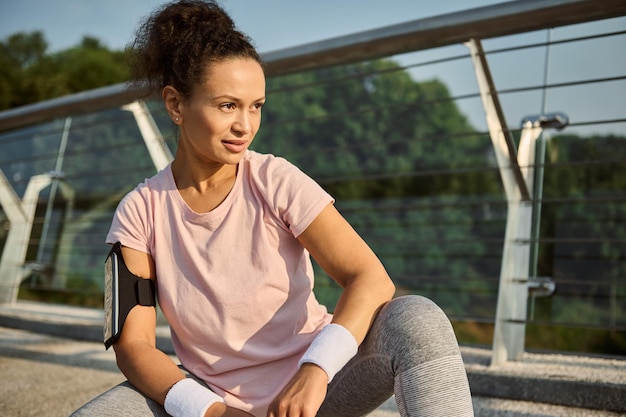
<point>515,169</point>
<point>21,215</point>
<point>159,152</point>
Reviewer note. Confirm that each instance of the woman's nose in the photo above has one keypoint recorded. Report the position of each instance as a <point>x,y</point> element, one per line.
<point>242,124</point>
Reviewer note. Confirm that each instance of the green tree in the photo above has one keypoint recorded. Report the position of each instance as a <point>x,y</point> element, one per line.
<point>91,65</point>
<point>17,53</point>
<point>31,74</point>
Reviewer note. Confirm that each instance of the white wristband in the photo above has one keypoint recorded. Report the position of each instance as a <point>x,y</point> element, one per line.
<point>331,349</point>
<point>189,398</point>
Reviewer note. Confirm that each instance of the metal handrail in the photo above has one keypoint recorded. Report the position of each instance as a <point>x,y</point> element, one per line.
<point>453,28</point>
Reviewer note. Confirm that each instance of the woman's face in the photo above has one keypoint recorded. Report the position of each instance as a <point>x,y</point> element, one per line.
<point>222,116</point>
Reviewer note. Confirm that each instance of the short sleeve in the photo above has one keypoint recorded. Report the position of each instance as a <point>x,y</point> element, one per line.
<point>130,225</point>
<point>296,198</point>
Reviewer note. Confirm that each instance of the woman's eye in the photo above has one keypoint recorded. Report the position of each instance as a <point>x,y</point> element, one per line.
<point>228,106</point>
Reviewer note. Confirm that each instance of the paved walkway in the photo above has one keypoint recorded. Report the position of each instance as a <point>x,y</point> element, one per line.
<point>45,375</point>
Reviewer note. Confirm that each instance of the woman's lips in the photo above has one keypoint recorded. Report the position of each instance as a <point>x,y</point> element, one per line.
<point>235,146</point>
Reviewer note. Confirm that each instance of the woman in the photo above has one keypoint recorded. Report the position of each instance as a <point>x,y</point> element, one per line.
<point>226,233</point>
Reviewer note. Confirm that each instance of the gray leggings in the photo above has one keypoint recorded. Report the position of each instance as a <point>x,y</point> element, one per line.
<point>411,351</point>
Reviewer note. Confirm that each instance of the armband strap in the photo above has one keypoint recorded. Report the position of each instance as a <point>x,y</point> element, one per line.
<point>331,349</point>
<point>189,398</point>
<point>122,292</point>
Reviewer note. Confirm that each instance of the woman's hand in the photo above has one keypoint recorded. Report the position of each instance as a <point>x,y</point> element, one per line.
<point>303,395</point>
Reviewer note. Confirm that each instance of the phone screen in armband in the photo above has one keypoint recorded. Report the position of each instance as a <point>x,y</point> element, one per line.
<point>111,297</point>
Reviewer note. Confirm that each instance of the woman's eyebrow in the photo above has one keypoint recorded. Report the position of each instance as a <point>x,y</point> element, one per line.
<point>234,98</point>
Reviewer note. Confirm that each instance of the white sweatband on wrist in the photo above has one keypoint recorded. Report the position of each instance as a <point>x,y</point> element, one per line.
<point>189,398</point>
<point>331,349</point>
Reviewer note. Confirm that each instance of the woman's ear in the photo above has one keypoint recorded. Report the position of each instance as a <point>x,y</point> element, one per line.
<point>173,103</point>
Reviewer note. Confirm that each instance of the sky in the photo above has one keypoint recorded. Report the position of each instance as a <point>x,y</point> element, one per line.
<point>278,24</point>
<point>272,24</point>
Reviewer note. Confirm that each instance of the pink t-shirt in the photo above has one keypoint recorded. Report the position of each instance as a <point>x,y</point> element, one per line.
<point>234,283</point>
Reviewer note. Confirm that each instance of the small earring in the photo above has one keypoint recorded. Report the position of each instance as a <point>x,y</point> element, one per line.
<point>177,119</point>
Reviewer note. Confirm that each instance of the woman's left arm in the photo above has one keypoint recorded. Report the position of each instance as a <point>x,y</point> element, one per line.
<point>345,256</point>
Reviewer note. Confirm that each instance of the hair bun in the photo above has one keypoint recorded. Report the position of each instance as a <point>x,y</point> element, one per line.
<point>202,14</point>
<point>174,45</point>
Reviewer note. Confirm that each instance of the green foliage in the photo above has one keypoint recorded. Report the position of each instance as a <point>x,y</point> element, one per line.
<point>91,65</point>
<point>583,225</point>
<point>17,53</point>
<point>31,74</point>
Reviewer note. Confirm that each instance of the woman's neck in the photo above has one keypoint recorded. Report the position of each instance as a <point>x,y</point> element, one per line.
<point>203,186</point>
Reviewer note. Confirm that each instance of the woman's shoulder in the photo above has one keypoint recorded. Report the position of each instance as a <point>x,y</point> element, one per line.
<point>270,167</point>
<point>261,159</point>
<point>160,181</point>
<point>295,197</point>
<point>145,191</point>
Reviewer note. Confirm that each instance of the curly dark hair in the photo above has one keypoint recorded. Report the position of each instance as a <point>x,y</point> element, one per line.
<point>177,43</point>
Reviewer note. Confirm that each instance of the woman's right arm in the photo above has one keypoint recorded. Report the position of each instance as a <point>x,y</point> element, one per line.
<point>146,367</point>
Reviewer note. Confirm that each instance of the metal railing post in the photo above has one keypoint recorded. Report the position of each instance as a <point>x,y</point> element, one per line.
<point>517,171</point>
<point>510,322</point>
<point>21,215</point>
<point>159,152</point>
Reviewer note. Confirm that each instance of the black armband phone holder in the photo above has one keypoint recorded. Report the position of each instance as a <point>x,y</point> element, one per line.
<point>122,292</point>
